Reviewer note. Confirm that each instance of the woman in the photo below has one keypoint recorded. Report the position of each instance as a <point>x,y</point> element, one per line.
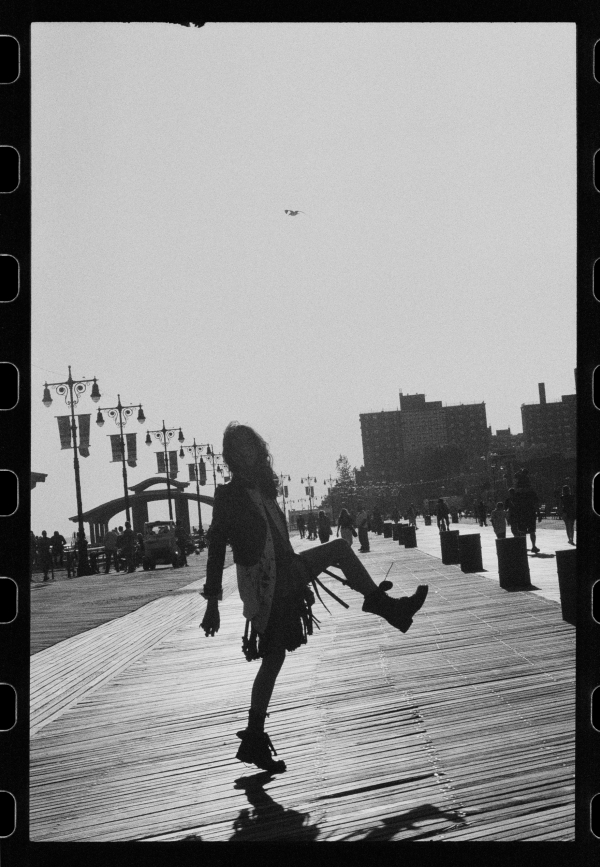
<point>323,527</point>
<point>568,512</point>
<point>273,580</point>
<point>345,526</point>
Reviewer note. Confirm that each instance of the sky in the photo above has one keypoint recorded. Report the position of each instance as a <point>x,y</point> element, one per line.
<point>435,164</point>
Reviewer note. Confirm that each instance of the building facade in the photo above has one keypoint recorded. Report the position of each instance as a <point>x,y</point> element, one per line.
<point>553,424</point>
<point>394,439</point>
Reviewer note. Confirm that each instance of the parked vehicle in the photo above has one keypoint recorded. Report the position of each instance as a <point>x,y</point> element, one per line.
<point>160,545</point>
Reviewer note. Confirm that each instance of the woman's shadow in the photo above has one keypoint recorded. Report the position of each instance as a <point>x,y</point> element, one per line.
<point>266,819</point>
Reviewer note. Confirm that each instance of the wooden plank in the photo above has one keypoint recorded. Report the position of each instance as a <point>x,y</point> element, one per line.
<point>462,729</point>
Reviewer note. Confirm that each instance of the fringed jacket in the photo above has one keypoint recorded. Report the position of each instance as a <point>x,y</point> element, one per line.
<point>240,520</point>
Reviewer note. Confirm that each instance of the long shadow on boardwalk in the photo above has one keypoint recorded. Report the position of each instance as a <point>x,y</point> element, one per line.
<point>409,821</point>
<point>268,820</point>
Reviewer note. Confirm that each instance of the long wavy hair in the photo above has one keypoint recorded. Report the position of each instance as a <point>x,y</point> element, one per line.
<point>261,474</point>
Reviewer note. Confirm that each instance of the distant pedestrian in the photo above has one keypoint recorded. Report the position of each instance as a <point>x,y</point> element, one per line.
<point>377,524</point>
<point>482,514</point>
<point>412,516</point>
<point>511,514</point>
<point>345,527</point>
<point>526,505</point>
<point>181,537</point>
<point>139,548</point>
<point>362,525</point>
<point>110,551</point>
<point>443,516</point>
<point>395,516</point>
<point>32,550</point>
<point>568,512</point>
<point>126,545</point>
<point>58,547</point>
<point>311,526</point>
<point>44,548</point>
<point>301,524</point>
<point>498,520</point>
<point>323,527</point>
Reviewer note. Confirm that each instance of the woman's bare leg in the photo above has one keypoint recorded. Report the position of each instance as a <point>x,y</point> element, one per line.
<point>339,553</point>
<point>264,682</point>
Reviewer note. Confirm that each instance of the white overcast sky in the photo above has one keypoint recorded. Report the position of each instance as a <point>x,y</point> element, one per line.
<point>435,164</point>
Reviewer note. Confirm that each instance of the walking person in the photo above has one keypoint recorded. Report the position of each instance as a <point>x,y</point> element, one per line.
<point>442,515</point>
<point>273,580</point>
<point>568,512</point>
<point>482,514</point>
<point>362,525</point>
<point>110,551</point>
<point>181,538</point>
<point>511,513</point>
<point>345,526</point>
<point>311,526</point>
<point>58,547</point>
<point>412,516</point>
<point>498,520</point>
<point>45,563</point>
<point>126,545</point>
<point>323,527</point>
<point>301,524</point>
<point>526,505</point>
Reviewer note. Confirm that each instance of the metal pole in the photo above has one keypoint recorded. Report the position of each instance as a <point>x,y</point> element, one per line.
<point>83,566</point>
<point>164,432</point>
<point>196,471</point>
<point>125,491</point>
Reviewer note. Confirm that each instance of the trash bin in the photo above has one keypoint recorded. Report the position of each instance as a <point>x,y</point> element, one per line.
<point>410,537</point>
<point>427,520</point>
<point>387,531</point>
<point>454,516</point>
<point>450,550</point>
<point>402,528</point>
<point>566,566</point>
<point>513,565</point>
<point>469,547</point>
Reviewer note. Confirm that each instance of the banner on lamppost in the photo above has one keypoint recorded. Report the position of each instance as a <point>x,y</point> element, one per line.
<point>84,435</point>
<point>173,468</point>
<point>131,449</point>
<point>160,462</point>
<point>115,444</point>
<point>192,469</point>
<point>202,472</point>
<point>64,431</point>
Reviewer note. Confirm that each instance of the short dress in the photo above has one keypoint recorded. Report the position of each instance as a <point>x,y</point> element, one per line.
<point>290,619</point>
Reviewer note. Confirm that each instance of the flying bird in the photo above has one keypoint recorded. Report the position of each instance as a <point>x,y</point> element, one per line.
<point>293,213</point>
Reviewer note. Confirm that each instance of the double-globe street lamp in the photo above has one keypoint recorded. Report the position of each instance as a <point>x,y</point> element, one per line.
<point>72,389</point>
<point>199,473</point>
<point>121,414</point>
<point>283,478</point>
<point>310,491</point>
<point>164,436</point>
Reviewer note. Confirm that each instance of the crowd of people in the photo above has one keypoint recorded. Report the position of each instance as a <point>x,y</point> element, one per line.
<point>123,550</point>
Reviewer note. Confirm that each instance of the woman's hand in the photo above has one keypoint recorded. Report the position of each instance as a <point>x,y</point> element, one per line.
<point>211,620</point>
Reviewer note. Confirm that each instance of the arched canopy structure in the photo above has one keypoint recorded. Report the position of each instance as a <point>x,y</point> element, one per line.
<point>99,517</point>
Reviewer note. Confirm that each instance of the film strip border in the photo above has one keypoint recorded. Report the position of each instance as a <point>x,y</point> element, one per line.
<point>15,297</point>
<point>587,825</point>
<point>15,308</point>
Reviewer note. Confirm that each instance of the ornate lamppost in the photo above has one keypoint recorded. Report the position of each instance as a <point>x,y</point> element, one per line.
<point>330,492</point>
<point>283,478</point>
<point>310,491</point>
<point>164,436</point>
<point>72,389</point>
<point>216,468</point>
<point>199,473</point>
<point>121,414</point>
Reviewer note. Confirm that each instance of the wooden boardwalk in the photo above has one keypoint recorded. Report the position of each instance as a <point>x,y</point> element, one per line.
<point>462,729</point>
